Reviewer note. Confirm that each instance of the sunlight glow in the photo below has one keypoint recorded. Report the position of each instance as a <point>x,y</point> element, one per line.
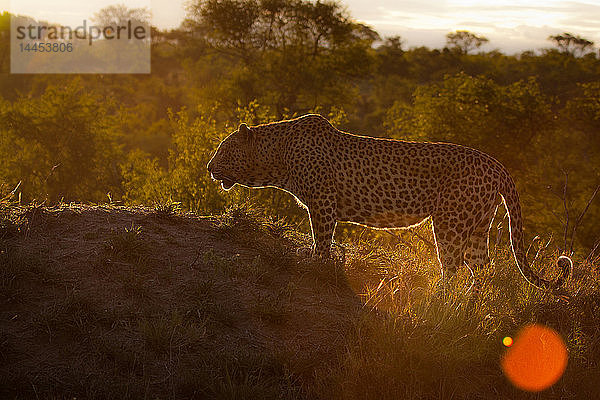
<point>481,18</point>
<point>536,360</point>
<point>165,14</point>
<point>512,25</point>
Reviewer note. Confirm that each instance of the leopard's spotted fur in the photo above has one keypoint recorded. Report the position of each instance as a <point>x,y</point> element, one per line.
<point>380,183</point>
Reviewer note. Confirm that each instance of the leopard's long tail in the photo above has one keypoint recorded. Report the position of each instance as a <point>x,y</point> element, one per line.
<point>510,198</point>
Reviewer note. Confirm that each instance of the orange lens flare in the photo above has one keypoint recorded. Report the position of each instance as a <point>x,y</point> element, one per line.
<point>536,359</point>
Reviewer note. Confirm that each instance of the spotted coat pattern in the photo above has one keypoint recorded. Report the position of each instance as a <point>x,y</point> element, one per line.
<point>380,183</point>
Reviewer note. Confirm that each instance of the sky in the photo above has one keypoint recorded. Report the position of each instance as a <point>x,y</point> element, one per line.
<point>510,25</point>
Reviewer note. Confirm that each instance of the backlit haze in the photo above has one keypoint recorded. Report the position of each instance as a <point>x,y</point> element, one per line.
<point>510,25</point>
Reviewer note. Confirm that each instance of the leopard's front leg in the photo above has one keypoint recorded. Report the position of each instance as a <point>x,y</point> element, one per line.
<point>322,225</point>
<point>312,182</point>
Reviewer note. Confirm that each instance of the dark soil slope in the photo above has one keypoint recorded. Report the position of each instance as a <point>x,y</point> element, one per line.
<point>106,301</point>
<point>114,302</point>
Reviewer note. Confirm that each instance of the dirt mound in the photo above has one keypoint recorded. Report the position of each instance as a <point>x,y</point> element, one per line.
<point>116,302</point>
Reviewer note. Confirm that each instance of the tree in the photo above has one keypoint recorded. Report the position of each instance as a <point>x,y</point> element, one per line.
<point>476,111</point>
<point>578,152</point>
<point>61,145</point>
<point>288,54</point>
<point>390,57</point>
<point>124,54</point>
<point>4,42</point>
<point>120,14</point>
<point>464,41</point>
<point>573,45</point>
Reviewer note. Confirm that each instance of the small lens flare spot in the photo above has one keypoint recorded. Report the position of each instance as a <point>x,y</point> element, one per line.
<point>536,359</point>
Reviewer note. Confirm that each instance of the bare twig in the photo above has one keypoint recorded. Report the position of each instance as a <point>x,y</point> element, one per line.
<point>535,239</point>
<point>563,197</point>
<point>591,254</point>
<point>566,207</point>
<point>499,232</point>
<point>51,172</point>
<point>542,250</point>
<point>558,196</point>
<point>562,223</point>
<point>191,265</point>
<point>495,213</point>
<point>12,193</point>
<point>581,215</point>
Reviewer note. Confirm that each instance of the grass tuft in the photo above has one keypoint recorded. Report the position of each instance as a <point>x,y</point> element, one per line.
<point>126,244</point>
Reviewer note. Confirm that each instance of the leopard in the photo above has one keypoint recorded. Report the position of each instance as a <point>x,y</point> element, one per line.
<point>382,183</point>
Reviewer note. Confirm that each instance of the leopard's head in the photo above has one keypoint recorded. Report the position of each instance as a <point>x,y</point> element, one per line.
<point>236,161</point>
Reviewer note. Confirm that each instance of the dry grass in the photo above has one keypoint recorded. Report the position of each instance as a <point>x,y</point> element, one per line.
<point>114,302</point>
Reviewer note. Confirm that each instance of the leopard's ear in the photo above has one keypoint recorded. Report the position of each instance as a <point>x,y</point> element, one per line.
<point>244,130</point>
<point>246,133</point>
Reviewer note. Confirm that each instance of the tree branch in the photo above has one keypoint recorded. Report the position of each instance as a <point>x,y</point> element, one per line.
<point>581,217</point>
<point>566,207</point>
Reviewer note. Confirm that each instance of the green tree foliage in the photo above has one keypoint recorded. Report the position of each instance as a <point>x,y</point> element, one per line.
<point>193,141</point>
<point>288,54</point>
<point>144,180</point>
<point>186,178</point>
<point>4,42</point>
<point>475,111</point>
<point>578,144</point>
<point>61,145</point>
